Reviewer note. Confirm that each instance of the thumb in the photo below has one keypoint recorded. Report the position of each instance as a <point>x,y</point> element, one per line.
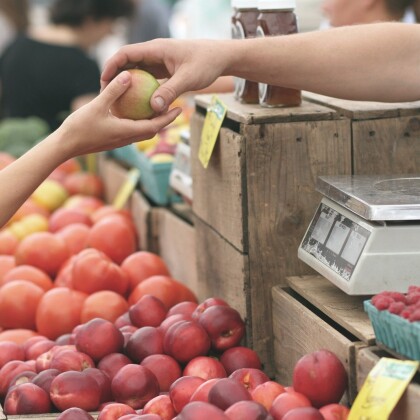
<point>168,92</point>
<point>115,89</point>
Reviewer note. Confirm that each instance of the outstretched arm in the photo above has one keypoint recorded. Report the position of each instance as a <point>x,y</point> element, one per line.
<point>377,62</point>
<point>90,129</point>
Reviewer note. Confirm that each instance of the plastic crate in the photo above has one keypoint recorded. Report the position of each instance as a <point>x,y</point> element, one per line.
<point>395,332</point>
<point>154,177</point>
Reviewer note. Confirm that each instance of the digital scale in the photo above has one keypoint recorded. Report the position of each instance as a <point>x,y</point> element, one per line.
<point>365,234</point>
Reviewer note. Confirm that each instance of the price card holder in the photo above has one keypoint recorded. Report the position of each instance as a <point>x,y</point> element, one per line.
<point>127,188</point>
<point>382,389</point>
<point>216,113</point>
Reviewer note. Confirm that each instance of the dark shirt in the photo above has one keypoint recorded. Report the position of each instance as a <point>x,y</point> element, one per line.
<point>40,79</point>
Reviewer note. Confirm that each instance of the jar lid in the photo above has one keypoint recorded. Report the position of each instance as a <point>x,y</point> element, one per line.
<point>276,4</point>
<point>245,4</point>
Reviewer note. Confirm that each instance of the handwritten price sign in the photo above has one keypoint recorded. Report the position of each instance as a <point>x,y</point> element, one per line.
<point>216,113</point>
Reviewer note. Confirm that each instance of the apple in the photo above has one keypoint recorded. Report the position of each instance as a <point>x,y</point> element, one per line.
<point>335,412</point>
<point>112,363</point>
<point>134,103</point>
<point>247,410</point>
<point>266,393</point>
<point>74,413</point>
<point>226,392</point>
<point>27,398</point>
<point>166,369</point>
<point>185,340</point>
<point>239,357</point>
<point>71,360</point>
<point>75,389</point>
<point>205,367</point>
<point>288,401</point>
<point>44,379</point>
<point>307,413</point>
<point>201,410</point>
<point>224,326</point>
<point>207,303</point>
<point>144,342</point>
<point>320,376</point>
<point>202,392</point>
<point>182,389</point>
<point>162,406</point>
<point>148,311</point>
<point>250,378</point>
<point>115,411</point>
<point>102,379</point>
<point>10,351</point>
<point>134,385</point>
<point>98,338</point>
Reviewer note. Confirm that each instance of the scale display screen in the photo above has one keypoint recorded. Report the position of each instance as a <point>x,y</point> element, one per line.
<point>335,240</point>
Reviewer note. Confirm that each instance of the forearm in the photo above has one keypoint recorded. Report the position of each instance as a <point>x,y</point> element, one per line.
<point>19,179</point>
<point>377,62</point>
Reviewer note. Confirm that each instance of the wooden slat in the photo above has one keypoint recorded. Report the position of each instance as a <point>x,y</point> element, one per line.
<point>298,331</point>
<point>176,245</point>
<point>387,146</point>
<point>346,310</point>
<point>219,196</point>
<point>363,110</point>
<point>255,114</point>
<point>408,408</point>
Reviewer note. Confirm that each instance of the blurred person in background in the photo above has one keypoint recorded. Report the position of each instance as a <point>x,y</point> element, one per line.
<point>353,12</point>
<point>13,20</point>
<point>49,72</point>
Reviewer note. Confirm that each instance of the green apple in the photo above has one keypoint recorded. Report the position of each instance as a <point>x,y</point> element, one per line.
<point>134,103</point>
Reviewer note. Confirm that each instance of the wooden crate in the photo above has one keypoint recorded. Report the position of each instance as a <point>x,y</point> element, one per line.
<point>313,314</point>
<point>385,136</point>
<point>257,197</point>
<point>114,175</point>
<point>408,408</point>
<point>176,245</point>
<point>47,416</point>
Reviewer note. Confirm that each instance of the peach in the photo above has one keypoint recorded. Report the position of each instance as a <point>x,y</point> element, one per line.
<point>205,367</point>
<point>74,413</point>
<point>287,401</point>
<point>266,393</point>
<point>9,371</point>
<point>186,340</point>
<point>171,320</point>
<point>27,398</point>
<point>224,326</point>
<point>63,217</point>
<point>201,410</point>
<point>184,308</point>
<point>160,405</point>
<point>335,412</point>
<point>98,338</point>
<point>22,378</point>
<point>71,360</point>
<point>239,357</point>
<point>112,363</point>
<point>211,301</point>
<point>134,385</point>
<point>182,389</point>
<point>166,369</point>
<point>103,381</point>
<point>114,411</point>
<point>38,348</point>
<point>75,389</point>
<point>249,378</point>
<point>226,392</point>
<point>148,311</point>
<point>202,392</point>
<point>10,351</point>
<point>44,379</point>
<point>64,339</point>
<point>144,342</point>
<point>307,413</point>
<point>247,410</point>
<point>123,320</point>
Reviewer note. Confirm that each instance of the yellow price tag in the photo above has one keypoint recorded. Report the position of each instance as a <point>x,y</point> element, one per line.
<point>91,163</point>
<point>127,188</point>
<point>212,124</point>
<point>382,389</point>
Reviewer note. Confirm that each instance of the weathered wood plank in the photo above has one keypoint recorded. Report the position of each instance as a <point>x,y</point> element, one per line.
<point>298,331</point>
<point>408,408</point>
<point>176,245</point>
<point>141,211</point>
<point>219,196</point>
<point>346,310</point>
<point>252,114</point>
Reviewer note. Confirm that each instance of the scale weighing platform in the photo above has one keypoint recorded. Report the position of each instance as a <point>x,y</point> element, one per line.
<point>365,234</point>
